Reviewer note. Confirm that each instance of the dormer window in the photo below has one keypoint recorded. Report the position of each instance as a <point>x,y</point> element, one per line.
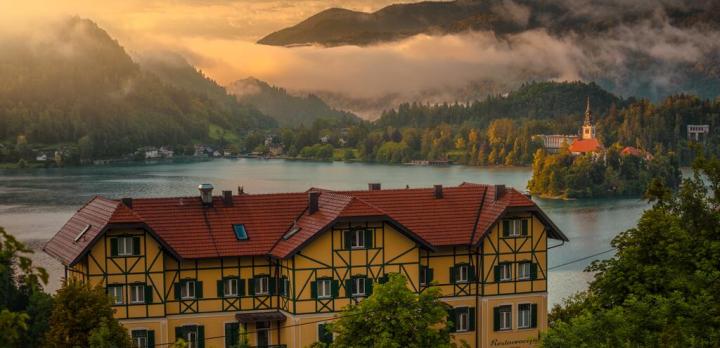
<point>358,239</point>
<point>240,232</point>
<point>515,228</point>
<point>125,246</point>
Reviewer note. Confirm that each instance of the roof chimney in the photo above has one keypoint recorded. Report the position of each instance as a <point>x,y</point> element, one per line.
<point>438,191</point>
<point>127,202</point>
<point>206,193</point>
<point>313,202</point>
<point>499,191</point>
<point>374,186</point>
<point>227,198</point>
<point>241,190</point>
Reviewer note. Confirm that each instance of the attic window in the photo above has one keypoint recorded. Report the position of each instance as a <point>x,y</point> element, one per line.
<point>240,232</point>
<point>292,232</point>
<point>82,233</point>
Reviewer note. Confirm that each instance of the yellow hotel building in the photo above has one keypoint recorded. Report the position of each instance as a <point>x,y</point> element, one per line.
<point>282,265</point>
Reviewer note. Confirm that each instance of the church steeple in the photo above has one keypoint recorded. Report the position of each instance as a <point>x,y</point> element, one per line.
<point>588,128</point>
<point>588,114</point>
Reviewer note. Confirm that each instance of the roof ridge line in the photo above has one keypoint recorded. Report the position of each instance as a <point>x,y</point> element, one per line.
<point>479,212</point>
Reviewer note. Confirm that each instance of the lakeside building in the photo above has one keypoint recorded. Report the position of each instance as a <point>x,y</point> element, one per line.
<point>283,265</point>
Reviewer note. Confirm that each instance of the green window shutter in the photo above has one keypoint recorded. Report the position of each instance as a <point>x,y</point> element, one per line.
<point>347,239</point>
<point>136,245</point>
<point>533,315</point>
<point>429,275</point>
<point>221,288</point>
<point>349,287</point>
<point>324,335</point>
<point>524,227</point>
<point>151,339</point>
<point>497,273</point>
<point>232,333</point>
<point>368,238</point>
<point>496,319</point>
<point>313,290</point>
<point>383,279</point>
<point>334,288</point>
<point>148,294</point>
<point>201,336</point>
<point>451,319</point>
<point>471,319</point>
<point>272,285</point>
<point>177,291</point>
<point>178,333</point>
<point>241,287</point>
<point>368,286</point>
<point>198,289</point>
<point>113,246</point>
<point>251,287</point>
<point>471,273</point>
<point>506,228</point>
<point>452,275</point>
<point>533,271</point>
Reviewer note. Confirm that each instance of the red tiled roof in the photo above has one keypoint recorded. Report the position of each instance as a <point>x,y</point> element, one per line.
<point>585,145</point>
<point>191,230</point>
<point>96,213</point>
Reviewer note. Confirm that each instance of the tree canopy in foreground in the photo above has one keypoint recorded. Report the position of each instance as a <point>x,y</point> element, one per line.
<point>662,288</point>
<point>394,316</point>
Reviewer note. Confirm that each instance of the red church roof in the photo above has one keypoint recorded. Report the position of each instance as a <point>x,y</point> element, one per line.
<point>280,224</point>
<point>585,145</point>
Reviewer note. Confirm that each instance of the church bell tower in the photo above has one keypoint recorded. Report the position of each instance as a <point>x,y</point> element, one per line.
<point>588,128</point>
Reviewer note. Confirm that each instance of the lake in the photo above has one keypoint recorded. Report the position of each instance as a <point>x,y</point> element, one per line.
<point>34,204</point>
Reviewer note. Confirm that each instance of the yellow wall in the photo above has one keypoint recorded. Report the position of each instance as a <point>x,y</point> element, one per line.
<point>325,256</point>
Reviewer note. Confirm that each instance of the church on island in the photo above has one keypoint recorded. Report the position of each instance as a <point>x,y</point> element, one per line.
<point>586,142</point>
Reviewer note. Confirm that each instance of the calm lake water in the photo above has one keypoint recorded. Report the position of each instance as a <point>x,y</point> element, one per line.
<point>34,204</point>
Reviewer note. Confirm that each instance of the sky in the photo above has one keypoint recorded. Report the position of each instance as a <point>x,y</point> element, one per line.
<point>218,37</point>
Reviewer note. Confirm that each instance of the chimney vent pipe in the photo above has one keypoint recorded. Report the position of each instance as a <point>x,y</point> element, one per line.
<point>438,191</point>
<point>313,202</point>
<point>206,193</point>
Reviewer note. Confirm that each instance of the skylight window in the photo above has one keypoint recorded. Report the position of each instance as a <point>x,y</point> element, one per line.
<point>82,233</point>
<point>292,232</point>
<point>240,232</point>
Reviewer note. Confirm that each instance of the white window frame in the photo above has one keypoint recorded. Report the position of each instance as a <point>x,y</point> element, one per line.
<point>140,341</point>
<point>358,291</point>
<point>463,320</point>
<point>125,246</point>
<point>505,272</point>
<point>524,316</point>
<point>358,239</point>
<point>230,287</point>
<point>262,285</point>
<point>324,288</point>
<point>506,320</point>
<point>186,290</point>
<point>192,339</point>
<point>265,329</point>
<point>515,228</point>
<point>117,299</point>
<point>137,293</point>
<point>286,286</point>
<point>423,275</point>
<point>460,277</point>
<point>523,270</point>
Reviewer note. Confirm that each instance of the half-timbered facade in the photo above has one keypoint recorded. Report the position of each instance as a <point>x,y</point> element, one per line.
<point>278,267</point>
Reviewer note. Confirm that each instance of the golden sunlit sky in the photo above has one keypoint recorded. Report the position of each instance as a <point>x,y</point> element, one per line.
<point>218,37</point>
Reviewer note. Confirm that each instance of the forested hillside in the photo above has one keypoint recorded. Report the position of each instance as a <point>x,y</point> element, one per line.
<point>78,86</point>
<point>288,110</point>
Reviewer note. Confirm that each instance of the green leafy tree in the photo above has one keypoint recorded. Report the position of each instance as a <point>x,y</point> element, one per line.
<point>13,326</point>
<point>83,316</point>
<point>394,316</point>
<point>661,288</point>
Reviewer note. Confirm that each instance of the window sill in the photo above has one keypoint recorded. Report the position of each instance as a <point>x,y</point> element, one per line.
<point>262,294</point>
<point>324,297</point>
<point>187,298</point>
